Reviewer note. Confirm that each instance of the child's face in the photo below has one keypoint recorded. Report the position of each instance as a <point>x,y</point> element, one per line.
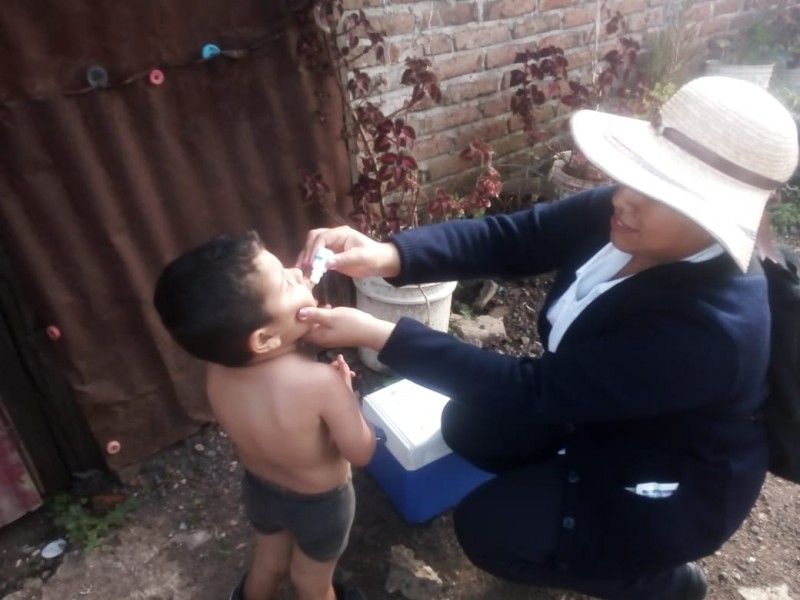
<point>285,292</point>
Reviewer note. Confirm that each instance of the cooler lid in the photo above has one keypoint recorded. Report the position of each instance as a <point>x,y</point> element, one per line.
<point>410,414</point>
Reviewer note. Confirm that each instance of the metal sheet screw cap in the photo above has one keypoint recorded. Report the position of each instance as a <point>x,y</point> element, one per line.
<point>210,51</point>
<point>97,76</point>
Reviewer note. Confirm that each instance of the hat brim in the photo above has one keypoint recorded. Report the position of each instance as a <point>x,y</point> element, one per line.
<point>632,152</point>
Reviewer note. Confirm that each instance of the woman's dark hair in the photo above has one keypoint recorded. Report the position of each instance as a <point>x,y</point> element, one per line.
<point>209,302</point>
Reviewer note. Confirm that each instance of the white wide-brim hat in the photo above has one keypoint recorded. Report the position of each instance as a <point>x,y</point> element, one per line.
<point>722,146</point>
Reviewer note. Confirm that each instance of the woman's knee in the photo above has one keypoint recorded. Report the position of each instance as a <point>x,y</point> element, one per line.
<point>451,427</point>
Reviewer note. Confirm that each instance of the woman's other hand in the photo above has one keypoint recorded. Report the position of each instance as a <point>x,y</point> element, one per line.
<point>356,255</point>
<point>344,327</point>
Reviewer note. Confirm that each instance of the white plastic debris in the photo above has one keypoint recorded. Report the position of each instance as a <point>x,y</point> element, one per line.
<point>54,548</point>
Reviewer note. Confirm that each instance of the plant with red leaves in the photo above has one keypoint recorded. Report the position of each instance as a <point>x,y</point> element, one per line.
<point>386,194</point>
<point>448,205</point>
<point>537,81</point>
<point>617,86</point>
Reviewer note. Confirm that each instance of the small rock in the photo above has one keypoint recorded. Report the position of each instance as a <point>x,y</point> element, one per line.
<point>411,577</point>
<point>199,447</point>
<point>488,291</point>
<point>780,592</point>
<point>498,312</point>
<point>194,539</point>
<point>479,331</point>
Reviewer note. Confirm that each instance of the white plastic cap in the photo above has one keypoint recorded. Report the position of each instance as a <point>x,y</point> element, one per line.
<point>318,267</point>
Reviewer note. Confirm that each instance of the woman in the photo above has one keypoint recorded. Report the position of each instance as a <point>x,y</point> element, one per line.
<point>627,450</point>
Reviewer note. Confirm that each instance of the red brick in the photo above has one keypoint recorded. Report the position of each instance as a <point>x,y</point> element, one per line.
<point>431,45</point>
<point>640,22</point>
<point>578,16</point>
<point>394,24</point>
<point>541,115</point>
<point>450,16</point>
<point>469,90</point>
<point>458,64</point>
<point>448,118</point>
<point>487,35</point>
<point>715,26</point>
<point>495,106</point>
<point>369,59</point>
<point>579,58</point>
<point>503,56</point>
<point>505,9</point>
<point>627,7</point>
<point>546,5</point>
<point>699,12</point>
<point>510,144</point>
<point>742,22</point>
<point>441,167</point>
<point>433,146</point>
<point>487,130</point>
<point>724,7</point>
<point>565,40</point>
<point>538,23</point>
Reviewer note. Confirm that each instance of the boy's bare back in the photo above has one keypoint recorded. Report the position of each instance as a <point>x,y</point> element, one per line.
<point>293,420</point>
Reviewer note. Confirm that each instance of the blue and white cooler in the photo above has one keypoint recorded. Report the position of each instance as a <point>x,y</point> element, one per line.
<point>413,465</point>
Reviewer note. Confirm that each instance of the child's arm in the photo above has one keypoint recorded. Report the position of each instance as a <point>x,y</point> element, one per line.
<point>340,366</point>
<point>341,412</point>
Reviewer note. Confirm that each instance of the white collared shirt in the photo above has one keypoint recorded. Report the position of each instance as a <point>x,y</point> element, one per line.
<point>594,278</point>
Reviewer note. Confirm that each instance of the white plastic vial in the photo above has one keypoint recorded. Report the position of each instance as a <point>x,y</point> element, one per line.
<point>318,267</point>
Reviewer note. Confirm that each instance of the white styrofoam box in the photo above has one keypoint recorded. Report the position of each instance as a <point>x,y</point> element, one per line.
<point>410,415</point>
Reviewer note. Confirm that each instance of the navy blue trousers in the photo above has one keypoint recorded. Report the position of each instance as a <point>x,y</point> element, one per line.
<point>509,526</point>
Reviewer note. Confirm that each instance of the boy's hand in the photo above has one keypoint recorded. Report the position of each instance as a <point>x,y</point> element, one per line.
<point>340,364</point>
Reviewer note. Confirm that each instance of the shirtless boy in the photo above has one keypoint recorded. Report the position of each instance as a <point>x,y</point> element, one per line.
<point>295,422</point>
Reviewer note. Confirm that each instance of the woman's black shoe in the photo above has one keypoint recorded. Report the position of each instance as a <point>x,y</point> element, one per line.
<point>694,584</point>
<point>238,591</point>
<point>347,593</point>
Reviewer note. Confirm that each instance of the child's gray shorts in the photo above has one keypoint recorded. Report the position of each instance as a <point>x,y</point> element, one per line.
<point>319,523</point>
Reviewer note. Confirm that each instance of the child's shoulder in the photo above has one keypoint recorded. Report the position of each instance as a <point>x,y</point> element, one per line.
<point>306,371</point>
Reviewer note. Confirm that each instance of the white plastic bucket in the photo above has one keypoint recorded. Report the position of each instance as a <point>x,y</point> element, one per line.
<point>428,303</point>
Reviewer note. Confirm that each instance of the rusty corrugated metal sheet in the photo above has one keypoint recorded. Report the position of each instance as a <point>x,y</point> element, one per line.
<point>99,190</point>
<point>18,494</point>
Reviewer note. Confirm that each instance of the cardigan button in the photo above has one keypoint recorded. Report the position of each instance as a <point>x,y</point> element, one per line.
<point>568,523</point>
<point>573,477</point>
<point>562,566</point>
<point>569,427</point>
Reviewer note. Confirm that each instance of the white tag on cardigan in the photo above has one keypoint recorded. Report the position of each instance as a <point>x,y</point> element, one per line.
<point>653,489</point>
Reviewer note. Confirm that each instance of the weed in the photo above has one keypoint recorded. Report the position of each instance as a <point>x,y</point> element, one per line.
<point>80,525</point>
<point>467,312</point>
<point>785,215</point>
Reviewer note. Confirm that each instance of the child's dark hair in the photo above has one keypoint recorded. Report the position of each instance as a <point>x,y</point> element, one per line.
<point>209,302</point>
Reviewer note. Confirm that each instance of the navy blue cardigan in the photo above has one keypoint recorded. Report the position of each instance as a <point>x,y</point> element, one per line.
<point>654,380</point>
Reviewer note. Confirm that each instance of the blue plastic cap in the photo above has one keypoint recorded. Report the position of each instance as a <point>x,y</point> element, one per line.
<point>210,51</point>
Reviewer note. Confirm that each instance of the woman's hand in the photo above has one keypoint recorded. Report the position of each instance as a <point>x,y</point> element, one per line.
<point>340,366</point>
<point>344,326</point>
<point>356,255</point>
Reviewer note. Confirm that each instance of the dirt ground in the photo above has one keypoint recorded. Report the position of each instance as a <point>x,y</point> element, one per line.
<point>188,538</point>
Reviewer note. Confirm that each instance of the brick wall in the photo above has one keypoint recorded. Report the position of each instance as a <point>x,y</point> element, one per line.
<point>472,44</point>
